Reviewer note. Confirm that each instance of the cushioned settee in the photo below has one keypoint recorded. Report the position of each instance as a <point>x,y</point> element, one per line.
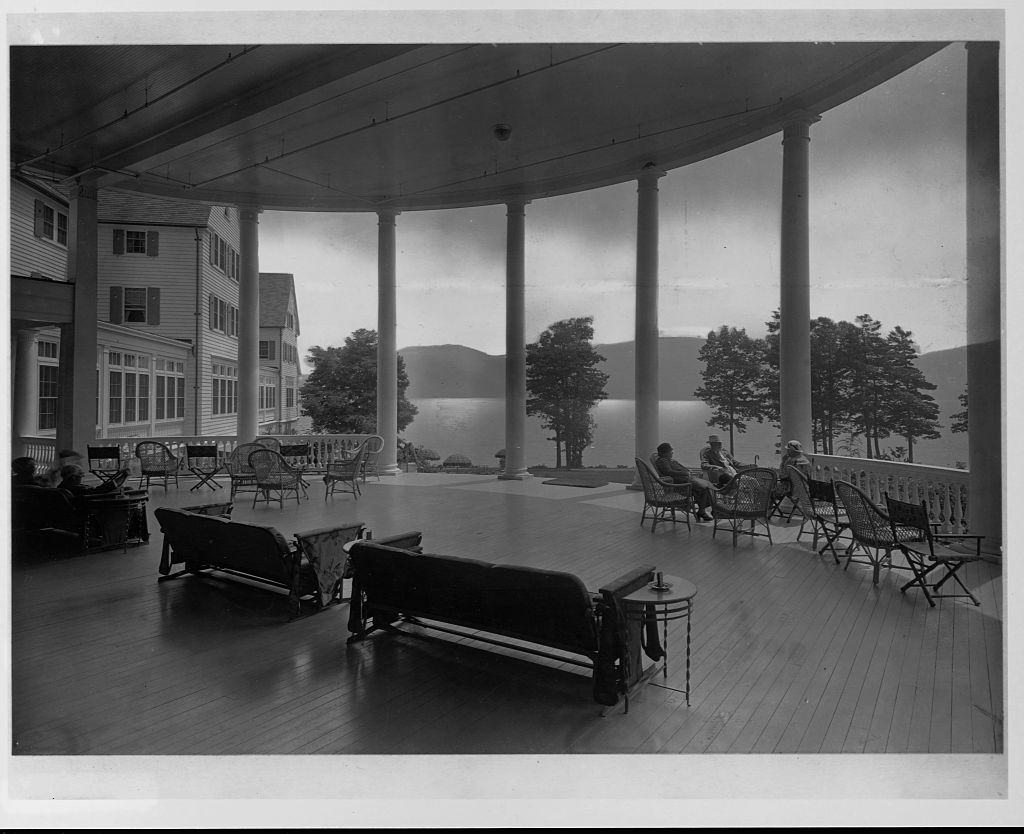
<point>545,608</point>
<point>309,567</point>
<point>37,508</point>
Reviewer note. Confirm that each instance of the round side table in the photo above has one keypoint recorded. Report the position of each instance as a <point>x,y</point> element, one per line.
<point>675,603</point>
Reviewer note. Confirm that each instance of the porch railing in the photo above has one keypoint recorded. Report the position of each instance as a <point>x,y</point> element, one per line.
<point>943,489</point>
<point>323,447</point>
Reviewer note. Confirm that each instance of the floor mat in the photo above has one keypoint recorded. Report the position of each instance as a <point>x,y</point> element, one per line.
<point>574,483</point>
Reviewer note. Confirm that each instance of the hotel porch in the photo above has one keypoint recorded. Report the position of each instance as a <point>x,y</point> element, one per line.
<point>791,654</point>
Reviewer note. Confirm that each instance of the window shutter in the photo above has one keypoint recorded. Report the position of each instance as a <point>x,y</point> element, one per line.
<point>152,244</point>
<point>153,305</point>
<point>116,305</point>
<point>209,322</point>
<point>273,351</point>
<point>213,248</point>
<point>118,241</point>
<point>37,221</point>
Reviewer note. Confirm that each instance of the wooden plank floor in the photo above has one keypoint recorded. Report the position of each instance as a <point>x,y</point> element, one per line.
<point>790,652</point>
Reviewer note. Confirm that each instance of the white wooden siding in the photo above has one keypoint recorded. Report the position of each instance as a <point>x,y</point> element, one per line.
<point>30,253</point>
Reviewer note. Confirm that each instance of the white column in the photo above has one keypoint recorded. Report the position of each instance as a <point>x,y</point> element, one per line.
<point>76,408</point>
<point>515,344</point>
<point>795,285</point>
<point>248,324</point>
<point>646,397</point>
<point>26,387</point>
<point>984,271</point>
<point>387,343</point>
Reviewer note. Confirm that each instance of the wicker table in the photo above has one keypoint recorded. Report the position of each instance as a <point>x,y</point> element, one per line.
<point>675,603</point>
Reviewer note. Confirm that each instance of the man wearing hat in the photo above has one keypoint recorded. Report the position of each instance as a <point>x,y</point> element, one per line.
<point>679,474</point>
<point>718,464</point>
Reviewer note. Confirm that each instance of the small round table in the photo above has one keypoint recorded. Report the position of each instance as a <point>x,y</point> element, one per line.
<point>675,603</point>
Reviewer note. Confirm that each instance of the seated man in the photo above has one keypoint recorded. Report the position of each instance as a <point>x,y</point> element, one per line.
<point>23,473</point>
<point>679,474</point>
<point>71,482</point>
<point>720,466</point>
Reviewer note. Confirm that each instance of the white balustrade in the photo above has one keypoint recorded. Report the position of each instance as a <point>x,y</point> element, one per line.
<point>942,488</point>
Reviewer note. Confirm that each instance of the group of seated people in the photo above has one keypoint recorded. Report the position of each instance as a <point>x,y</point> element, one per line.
<point>720,469</point>
<point>65,474</point>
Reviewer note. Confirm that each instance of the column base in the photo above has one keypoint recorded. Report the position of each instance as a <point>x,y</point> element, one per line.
<point>515,475</point>
<point>636,485</point>
<point>390,470</point>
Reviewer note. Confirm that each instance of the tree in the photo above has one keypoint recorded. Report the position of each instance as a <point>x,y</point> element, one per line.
<point>734,370</point>
<point>340,393</point>
<point>959,424</point>
<point>908,411</point>
<point>565,384</point>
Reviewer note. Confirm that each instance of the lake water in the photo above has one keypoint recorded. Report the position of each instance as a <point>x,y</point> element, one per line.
<point>476,428</point>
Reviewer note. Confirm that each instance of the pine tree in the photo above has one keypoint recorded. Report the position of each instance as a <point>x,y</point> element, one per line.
<point>565,384</point>
<point>734,372</point>
<point>340,393</point>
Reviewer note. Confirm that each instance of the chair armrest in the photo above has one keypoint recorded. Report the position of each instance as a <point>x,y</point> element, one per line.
<point>946,537</point>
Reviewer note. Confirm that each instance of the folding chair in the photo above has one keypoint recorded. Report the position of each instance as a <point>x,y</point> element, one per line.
<point>99,461</point>
<point>203,462</point>
<point>929,550</point>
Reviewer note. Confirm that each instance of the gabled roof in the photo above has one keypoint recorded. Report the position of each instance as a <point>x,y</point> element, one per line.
<point>120,207</point>
<point>277,289</point>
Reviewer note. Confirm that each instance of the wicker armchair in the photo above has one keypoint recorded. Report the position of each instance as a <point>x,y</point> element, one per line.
<point>156,461</point>
<point>243,478</point>
<point>930,550</point>
<point>747,497</point>
<point>662,497</point>
<point>374,446</point>
<point>345,473</point>
<point>816,502</point>
<point>873,533</point>
<point>273,474</point>
<point>268,442</point>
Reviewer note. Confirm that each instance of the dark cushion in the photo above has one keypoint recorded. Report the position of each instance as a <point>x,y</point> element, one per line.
<point>542,606</point>
<point>41,508</point>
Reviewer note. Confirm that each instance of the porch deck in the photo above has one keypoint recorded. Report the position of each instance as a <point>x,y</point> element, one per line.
<point>791,654</point>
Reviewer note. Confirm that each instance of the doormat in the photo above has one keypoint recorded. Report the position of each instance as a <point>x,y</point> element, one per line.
<point>575,483</point>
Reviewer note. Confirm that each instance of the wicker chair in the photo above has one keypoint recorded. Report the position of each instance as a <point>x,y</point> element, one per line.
<point>268,442</point>
<point>374,446</point>
<point>243,478</point>
<point>931,550</point>
<point>273,474</point>
<point>747,497</point>
<point>873,533</point>
<point>156,461</point>
<point>816,502</point>
<point>299,457</point>
<point>345,473</point>
<point>662,497</point>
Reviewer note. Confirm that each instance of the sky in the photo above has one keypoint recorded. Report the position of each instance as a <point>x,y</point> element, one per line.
<point>887,238</point>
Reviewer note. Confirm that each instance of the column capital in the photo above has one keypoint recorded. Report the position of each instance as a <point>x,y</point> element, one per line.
<point>387,216</point>
<point>798,124</point>
<point>517,205</point>
<point>649,175</point>
<point>249,213</point>
<point>84,189</point>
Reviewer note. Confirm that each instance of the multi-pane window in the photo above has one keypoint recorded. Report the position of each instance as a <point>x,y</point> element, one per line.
<point>169,396</point>
<point>289,353</point>
<point>46,349</point>
<point>289,392</point>
<point>127,387</point>
<point>135,304</point>
<point>289,318</point>
<point>224,257</point>
<point>223,316</point>
<point>48,391</point>
<point>134,242</point>
<point>50,223</point>
<point>268,350</point>
<point>224,390</point>
<point>268,392</point>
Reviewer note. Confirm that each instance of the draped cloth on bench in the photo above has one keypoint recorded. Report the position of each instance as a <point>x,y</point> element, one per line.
<point>619,666</point>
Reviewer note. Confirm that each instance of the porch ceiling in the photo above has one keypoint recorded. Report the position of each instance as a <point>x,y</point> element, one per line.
<point>362,127</point>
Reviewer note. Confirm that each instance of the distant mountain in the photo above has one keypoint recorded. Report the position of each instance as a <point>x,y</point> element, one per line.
<point>437,371</point>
